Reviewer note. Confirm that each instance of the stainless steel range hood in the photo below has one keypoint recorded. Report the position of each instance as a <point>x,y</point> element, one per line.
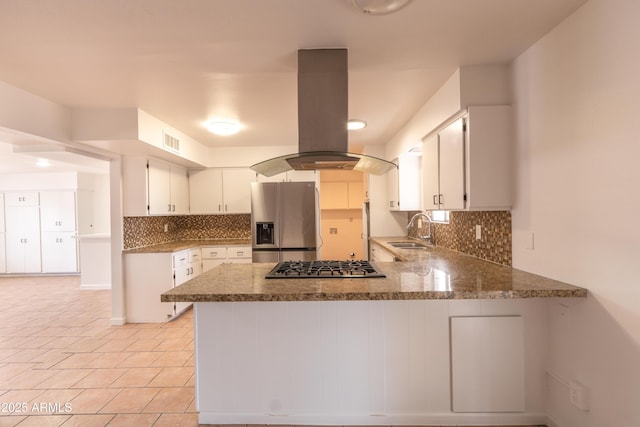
<point>322,119</point>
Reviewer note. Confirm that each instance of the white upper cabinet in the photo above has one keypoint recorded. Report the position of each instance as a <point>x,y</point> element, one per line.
<point>393,195</point>
<point>467,165</point>
<point>405,183</point>
<point>58,210</point>
<point>154,187</point>
<point>168,189</point>
<point>221,190</point>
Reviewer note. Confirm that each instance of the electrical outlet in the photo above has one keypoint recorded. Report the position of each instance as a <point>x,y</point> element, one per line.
<point>166,228</point>
<point>579,395</point>
<point>478,232</point>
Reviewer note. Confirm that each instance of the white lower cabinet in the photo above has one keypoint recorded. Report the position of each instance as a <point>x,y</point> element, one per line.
<point>59,252</point>
<point>148,275</point>
<point>380,254</point>
<point>213,256</point>
<point>239,254</point>
<point>23,239</point>
<point>187,265</point>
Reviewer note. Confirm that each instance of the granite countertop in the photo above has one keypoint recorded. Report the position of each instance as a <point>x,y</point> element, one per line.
<point>186,244</point>
<point>432,273</point>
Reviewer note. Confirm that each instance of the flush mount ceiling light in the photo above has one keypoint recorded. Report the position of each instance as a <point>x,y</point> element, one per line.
<point>380,7</point>
<point>355,124</point>
<point>223,128</point>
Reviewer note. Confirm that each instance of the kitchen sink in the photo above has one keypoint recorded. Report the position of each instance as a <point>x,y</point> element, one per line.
<point>408,245</point>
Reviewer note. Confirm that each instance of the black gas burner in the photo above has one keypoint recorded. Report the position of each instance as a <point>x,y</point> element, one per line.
<point>324,269</point>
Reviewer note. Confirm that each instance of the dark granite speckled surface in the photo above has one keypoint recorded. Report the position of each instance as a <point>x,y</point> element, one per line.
<point>431,273</point>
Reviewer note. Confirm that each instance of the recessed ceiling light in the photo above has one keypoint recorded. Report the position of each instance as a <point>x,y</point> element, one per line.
<point>356,124</point>
<point>43,163</point>
<point>223,128</point>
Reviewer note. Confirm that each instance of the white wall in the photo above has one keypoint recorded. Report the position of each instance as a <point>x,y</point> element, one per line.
<point>576,97</point>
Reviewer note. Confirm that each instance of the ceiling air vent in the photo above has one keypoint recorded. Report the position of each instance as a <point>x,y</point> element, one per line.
<point>170,142</point>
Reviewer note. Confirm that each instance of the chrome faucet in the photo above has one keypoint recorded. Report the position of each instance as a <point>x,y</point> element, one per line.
<point>426,216</point>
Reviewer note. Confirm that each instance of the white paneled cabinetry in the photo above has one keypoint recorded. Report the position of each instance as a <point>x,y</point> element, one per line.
<point>58,225</point>
<point>147,275</point>
<point>22,216</point>
<point>405,183</point>
<point>221,190</point>
<point>466,165</point>
<point>168,189</point>
<point>40,232</point>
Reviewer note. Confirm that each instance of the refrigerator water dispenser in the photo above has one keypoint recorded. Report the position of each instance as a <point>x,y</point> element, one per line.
<point>264,233</point>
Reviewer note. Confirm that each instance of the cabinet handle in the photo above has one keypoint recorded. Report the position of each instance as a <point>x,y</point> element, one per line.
<point>169,208</point>
<point>219,208</point>
<point>239,253</point>
<point>435,202</point>
<point>174,208</point>
<point>440,199</point>
<point>225,208</point>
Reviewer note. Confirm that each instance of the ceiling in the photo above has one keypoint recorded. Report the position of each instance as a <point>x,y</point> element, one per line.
<point>190,61</point>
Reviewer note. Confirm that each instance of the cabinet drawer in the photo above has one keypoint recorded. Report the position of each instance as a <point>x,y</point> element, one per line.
<point>239,252</point>
<point>214,252</point>
<point>180,259</point>
<point>194,255</point>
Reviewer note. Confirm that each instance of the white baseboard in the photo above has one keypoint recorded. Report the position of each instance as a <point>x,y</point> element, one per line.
<point>441,419</point>
<point>95,286</point>
<point>118,321</point>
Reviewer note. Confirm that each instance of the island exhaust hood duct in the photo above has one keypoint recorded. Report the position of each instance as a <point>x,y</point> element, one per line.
<point>322,119</point>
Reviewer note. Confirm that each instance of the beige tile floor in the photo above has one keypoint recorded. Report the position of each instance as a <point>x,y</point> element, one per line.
<point>62,364</point>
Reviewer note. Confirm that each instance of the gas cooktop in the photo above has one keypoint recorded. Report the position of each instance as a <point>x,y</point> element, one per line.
<point>324,269</point>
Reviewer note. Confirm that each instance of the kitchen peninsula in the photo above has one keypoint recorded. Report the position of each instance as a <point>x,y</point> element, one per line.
<point>444,338</point>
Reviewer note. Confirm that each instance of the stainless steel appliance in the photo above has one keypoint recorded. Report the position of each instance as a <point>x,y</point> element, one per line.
<point>324,269</point>
<point>283,221</point>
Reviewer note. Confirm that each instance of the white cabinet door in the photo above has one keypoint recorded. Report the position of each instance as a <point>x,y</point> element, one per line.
<point>168,189</point>
<point>236,190</point>
<point>410,182</point>
<point>59,252</point>
<point>205,189</point>
<point>221,190</point>
<point>472,157</point>
<point>451,167</point>
<point>23,239</point>
<point>392,189</point>
<point>430,173</point>
<point>179,194</point>
<point>58,210</point>
<point>159,188</point>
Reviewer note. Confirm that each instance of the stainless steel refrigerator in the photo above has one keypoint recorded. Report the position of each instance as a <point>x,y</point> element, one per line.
<point>283,221</point>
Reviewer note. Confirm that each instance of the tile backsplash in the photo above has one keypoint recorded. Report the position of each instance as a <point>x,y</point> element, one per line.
<point>142,231</point>
<point>460,234</point>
